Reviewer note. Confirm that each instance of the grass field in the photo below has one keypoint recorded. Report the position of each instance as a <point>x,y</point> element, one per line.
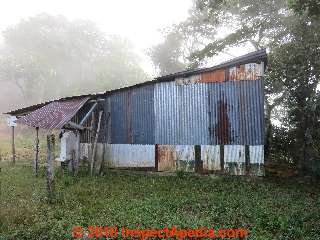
<point>268,209</point>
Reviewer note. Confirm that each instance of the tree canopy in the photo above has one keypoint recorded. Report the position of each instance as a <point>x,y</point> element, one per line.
<point>49,56</point>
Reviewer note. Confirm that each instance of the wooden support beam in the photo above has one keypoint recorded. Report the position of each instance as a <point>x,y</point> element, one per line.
<point>36,157</point>
<point>76,126</point>
<point>50,166</point>
<point>88,114</point>
<point>95,143</point>
<point>77,154</point>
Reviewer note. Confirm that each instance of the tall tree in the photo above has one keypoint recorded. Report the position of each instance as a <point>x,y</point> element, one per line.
<point>169,56</point>
<point>49,56</point>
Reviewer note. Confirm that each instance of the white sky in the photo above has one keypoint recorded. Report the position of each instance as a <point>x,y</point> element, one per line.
<point>137,20</point>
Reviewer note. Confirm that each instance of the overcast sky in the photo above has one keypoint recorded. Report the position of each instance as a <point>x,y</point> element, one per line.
<point>137,20</point>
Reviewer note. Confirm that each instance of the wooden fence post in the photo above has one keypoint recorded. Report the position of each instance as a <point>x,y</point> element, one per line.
<point>77,154</point>
<point>36,157</point>
<point>94,149</point>
<point>13,147</point>
<point>50,166</point>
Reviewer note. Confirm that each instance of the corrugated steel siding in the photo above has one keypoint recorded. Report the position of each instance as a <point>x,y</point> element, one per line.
<point>127,156</point>
<point>210,156</point>
<point>176,157</point>
<point>236,112</point>
<point>181,114</point>
<point>143,115</point>
<point>120,117</point>
<point>234,154</point>
<point>132,116</point>
<point>256,154</point>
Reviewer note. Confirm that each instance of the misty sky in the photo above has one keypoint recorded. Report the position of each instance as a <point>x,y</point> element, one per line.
<point>137,20</point>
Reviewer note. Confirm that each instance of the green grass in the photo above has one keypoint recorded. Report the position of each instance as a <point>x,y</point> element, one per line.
<point>268,209</point>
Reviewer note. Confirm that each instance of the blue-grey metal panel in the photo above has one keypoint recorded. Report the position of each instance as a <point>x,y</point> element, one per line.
<point>142,115</point>
<point>236,112</point>
<point>120,120</point>
<point>181,114</point>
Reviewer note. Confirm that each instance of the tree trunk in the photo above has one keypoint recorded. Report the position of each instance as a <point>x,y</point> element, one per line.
<point>268,132</point>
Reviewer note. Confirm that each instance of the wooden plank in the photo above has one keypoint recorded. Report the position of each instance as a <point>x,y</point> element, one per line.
<point>50,166</point>
<point>13,147</point>
<point>95,143</point>
<point>36,157</point>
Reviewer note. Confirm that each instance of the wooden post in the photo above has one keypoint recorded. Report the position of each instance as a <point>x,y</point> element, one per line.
<point>13,147</point>
<point>77,154</point>
<point>36,157</point>
<point>50,162</point>
<point>94,149</point>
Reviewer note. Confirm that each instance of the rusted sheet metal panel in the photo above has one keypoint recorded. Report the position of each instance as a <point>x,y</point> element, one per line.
<point>185,157</point>
<point>234,159</point>
<point>176,157</point>
<point>193,79</point>
<point>236,113</point>
<point>128,155</point>
<point>256,154</point>
<point>254,71</point>
<point>181,114</point>
<point>166,158</point>
<point>210,156</point>
<point>250,71</point>
<point>215,76</point>
<point>53,115</point>
<point>143,115</point>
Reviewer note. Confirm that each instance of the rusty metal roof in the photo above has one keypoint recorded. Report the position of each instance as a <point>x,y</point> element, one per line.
<point>25,110</point>
<point>53,115</point>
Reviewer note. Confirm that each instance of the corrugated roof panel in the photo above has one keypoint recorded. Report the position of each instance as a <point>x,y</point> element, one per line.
<point>53,115</point>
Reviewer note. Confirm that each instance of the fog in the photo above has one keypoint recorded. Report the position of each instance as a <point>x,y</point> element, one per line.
<point>134,26</point>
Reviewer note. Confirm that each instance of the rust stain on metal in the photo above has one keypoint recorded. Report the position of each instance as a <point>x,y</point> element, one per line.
<point>241,72</point>
<point>222,128</point>
<point>215,76</point>
<point>233,73</point>
<point>166,155</point>
<point>188,80</point>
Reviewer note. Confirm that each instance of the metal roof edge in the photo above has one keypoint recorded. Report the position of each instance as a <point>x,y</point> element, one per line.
<point>247,58</point>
